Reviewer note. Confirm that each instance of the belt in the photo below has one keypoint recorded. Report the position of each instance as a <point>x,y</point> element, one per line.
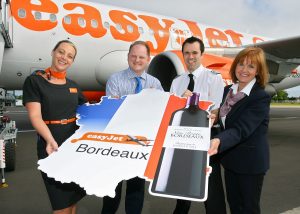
<point>62,122</point>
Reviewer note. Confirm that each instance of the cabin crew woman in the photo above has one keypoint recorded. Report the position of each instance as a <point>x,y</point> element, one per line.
<point>51,100</point>
<point>243,143</point>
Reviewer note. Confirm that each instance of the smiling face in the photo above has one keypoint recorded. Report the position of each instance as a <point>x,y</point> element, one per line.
<point>63,57</point>
<point>245,72</point>
<point>192,56</point>
<point>138,59</point>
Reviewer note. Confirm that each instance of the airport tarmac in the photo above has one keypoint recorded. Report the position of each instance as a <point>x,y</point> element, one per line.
<point>281,191</point>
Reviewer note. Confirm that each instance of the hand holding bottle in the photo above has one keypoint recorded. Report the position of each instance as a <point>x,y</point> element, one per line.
<point>187,93</point>
<point>212,117</point>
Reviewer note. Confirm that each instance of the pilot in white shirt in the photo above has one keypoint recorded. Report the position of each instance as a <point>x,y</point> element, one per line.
<point>210,86</point>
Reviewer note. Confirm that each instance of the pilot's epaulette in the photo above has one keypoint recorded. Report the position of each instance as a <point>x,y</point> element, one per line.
<point>214,72</point>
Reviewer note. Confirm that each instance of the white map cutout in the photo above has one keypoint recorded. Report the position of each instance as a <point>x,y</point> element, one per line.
<point>99,166</point>
<point>115,142</point>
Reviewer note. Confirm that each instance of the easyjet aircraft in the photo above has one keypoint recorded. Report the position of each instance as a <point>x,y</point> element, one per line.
<point>103,34</point>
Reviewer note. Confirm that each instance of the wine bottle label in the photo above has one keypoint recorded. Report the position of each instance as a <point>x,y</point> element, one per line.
<point>185,137</point>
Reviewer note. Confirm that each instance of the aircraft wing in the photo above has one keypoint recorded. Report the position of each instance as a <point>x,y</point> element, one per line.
<point>283,57</point>
<point>288,48</point>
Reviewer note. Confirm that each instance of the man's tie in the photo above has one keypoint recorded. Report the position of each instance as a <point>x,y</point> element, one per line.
<point>192,83</point>
<point>139,86</point>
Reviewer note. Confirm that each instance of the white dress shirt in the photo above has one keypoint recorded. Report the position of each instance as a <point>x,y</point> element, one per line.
<point>208,83</point>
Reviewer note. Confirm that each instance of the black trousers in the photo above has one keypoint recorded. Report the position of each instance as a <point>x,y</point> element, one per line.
<point>215,203</point>
<point>243,192</point>
<point>134,199</point>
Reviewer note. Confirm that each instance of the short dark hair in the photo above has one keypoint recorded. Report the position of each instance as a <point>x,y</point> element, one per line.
<point>68,42</point>
<point>193,39</point>
<point>140,43</point>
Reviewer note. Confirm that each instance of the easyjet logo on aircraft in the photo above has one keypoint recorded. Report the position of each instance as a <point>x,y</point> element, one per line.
<point>123,24</point>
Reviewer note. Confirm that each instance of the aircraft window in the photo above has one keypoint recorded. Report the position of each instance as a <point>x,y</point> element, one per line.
<point>130,28</point>
<point>94,23</point>
<point>81,22</point>
<point>53,17</point>
<point>173,32</point>
<point>21,13</point>
<point>221,42</point>
<point>141,30</point>
<point>37,15</point>
<point>106,25</point>
<point>151,32</point>
<point>119,27</point>
<point>161,33</point>
<point>187,33</point>
<point>67,20</point>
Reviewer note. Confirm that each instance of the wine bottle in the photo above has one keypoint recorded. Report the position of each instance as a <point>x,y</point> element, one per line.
<point>181,171</point>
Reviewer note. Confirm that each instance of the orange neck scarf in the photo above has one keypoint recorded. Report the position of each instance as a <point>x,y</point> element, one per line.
<point>56,74</point>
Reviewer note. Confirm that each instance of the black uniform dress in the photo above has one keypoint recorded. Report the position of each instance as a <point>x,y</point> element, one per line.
<point>57,102</point>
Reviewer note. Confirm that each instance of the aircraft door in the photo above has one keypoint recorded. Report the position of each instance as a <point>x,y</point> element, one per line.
<point>6,23</point>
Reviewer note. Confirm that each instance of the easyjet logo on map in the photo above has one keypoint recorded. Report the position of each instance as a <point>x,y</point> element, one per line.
<point>113,138</point>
